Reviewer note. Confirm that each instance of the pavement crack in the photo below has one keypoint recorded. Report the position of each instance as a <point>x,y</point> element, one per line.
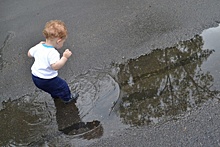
<point>8,38</point>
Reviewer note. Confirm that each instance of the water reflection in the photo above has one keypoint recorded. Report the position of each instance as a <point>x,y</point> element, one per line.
<point>98,92</point>
<point>28,121</point>
<point>69,122</point>
<point>25,120</point>
<point>35,119</point>
<point>164,83</point>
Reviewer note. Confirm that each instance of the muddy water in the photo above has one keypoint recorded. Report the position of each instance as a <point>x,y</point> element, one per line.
<point>151,89</point>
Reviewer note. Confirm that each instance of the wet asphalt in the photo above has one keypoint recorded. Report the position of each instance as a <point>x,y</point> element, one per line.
<point>102,32</point>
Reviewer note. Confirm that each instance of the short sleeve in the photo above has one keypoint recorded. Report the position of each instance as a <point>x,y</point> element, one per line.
<point>53,57</point>
<point>32,51</point>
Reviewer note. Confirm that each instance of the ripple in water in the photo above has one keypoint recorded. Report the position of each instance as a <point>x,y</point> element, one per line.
<point>26,120</point>
<point>98,93</point>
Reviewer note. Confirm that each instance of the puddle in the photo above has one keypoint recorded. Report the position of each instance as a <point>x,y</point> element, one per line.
<point>39,120</point>
<point>98,91</point>
<point>165,83</point>
<point>151,89</point>
<point>26,120</point>
<point>171,81</point>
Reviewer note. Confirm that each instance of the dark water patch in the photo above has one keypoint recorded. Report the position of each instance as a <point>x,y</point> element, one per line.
<point>165,83</point>
<point>53,121</point>
<point>25,120</point>
<point>5,43</point>
<point>73,124</point>
<point>81,126</point>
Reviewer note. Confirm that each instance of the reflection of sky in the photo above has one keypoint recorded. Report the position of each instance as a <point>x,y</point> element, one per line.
<point>211,38</point>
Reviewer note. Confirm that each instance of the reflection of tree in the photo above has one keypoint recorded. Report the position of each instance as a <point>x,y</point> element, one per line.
<point>164,82</point>
<point>21,122</point>
<point>25,122</point>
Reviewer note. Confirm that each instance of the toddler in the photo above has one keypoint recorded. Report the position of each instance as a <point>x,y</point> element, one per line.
<point>48,62</point>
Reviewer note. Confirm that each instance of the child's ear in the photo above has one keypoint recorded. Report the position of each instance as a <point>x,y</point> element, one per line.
<point>59,40</point>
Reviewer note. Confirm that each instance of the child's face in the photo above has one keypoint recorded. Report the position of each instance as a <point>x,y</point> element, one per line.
<point>60,43</point>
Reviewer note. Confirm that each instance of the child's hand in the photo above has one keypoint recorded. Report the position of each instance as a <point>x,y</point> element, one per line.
<point>67,53</point>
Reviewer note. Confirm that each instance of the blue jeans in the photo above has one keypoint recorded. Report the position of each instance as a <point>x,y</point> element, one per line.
<point>56,87</point>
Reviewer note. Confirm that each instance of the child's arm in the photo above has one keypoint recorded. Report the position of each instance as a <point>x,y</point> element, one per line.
<point>59,64</point>
<point>29,54</point>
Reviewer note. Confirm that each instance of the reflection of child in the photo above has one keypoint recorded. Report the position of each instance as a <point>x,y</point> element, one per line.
<point>48,62</point>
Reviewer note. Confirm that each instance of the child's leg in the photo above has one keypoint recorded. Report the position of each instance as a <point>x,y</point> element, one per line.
<point>60,89</point>
<point>57,87</point>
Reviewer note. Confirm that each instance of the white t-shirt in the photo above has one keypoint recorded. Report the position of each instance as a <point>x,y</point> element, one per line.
<point>44,56</point>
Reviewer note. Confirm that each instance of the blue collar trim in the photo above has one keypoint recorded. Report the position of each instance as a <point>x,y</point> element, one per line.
<point>47,46</point>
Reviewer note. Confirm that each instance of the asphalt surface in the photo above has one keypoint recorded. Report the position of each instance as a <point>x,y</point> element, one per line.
<point>198,128</point>
<point>102,32</point>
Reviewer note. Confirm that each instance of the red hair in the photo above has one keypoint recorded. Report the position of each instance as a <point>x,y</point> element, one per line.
<point>55,29</point>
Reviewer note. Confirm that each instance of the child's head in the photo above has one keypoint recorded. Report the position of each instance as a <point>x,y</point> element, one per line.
<point>55,29</point>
